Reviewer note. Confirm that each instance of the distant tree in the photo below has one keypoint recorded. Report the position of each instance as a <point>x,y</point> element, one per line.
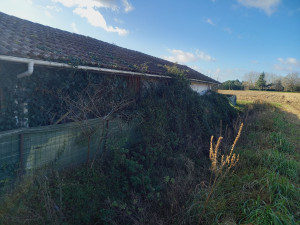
<point>272,78</point>
<point>277,85</point>
<point>250,79</point>
<point>232,85</point>
<point>261,82</point>
<point>246,85</point>
<point>291,82</point>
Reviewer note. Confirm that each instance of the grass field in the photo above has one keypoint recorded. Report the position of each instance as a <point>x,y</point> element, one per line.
<point>290,102</point>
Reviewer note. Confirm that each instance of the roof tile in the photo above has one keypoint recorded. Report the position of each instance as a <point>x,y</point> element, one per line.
<point>22,38</point>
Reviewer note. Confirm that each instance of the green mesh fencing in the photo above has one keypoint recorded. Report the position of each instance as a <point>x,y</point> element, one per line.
<point>63,145</point>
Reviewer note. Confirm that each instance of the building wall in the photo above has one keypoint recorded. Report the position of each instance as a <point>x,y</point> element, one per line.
<point>201,88</point>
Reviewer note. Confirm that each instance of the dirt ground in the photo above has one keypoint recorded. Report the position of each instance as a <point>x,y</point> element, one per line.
<point>290,102</point>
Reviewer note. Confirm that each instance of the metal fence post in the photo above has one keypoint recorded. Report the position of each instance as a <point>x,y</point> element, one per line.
<point>106,134</point>
<point>88,153</point>
<point>21,154</point>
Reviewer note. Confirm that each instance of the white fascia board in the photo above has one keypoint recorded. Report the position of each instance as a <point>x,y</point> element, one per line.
<point>203,81</point>
<point>64,65</point>
<point>90,68</point>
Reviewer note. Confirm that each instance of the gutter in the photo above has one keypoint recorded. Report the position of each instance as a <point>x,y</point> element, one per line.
<point>203,81</point>
<point>28,72</point>
<point>32,62</point>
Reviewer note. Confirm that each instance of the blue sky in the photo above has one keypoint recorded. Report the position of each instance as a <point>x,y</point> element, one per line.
<point>222,39</point>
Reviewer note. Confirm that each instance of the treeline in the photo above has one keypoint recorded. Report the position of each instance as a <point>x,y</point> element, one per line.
<point>232,85</point>
<point>265,81</point>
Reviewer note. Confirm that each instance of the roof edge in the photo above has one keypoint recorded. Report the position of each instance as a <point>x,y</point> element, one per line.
<point>203,81</point>
<point>64,65</point>
<point>90,68</point>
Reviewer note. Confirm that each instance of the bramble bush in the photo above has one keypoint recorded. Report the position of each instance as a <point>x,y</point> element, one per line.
<point>148,177</point>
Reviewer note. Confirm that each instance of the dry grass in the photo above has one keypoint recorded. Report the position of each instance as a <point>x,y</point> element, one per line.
<point>290,102</point>
<point>220,168</point>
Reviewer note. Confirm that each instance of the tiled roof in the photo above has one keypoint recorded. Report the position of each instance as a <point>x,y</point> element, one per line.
<point>22,38</point>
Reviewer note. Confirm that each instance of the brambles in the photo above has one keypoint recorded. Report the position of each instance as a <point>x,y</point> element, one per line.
<point>146,175</point>
<point>167,172</point>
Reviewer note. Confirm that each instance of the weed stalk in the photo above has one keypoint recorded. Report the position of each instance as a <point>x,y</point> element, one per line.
<point>220,168</point>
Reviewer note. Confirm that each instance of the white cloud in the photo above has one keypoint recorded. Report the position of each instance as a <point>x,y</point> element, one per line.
<point>110,4</point>
<point>268,6</point>
<point>203,56</point>
<point>185,57</point>
<point>67,3</point>
<point>74,27</point>
<point>89,9</point>
<point>209,21</point>
<point>127,5</point>
<point>181,56</point>
<point>80,3</point>
<point>96,19</point>
<point>49,15</point>
<point>287,65</point>
<point>93,16</point>
<point>289,61</point>
<point>54,8</point>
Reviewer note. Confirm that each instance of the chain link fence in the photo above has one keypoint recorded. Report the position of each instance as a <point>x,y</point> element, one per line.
<point>62,145</point>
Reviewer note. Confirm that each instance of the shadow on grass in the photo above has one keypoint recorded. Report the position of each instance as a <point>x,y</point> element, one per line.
<point>293,128</point>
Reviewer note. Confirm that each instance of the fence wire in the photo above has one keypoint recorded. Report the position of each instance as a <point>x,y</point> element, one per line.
<point>63,145</point>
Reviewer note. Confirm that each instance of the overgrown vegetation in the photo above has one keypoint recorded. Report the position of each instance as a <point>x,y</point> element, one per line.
<point>161,173</point>
<point>129,182</point>
<point>44,97</point>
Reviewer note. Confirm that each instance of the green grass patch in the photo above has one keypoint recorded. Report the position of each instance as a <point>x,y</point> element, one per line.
<point>280,163</point>
<point>241,104</point>
<point>264,188</point>
<point>280,142</point>
<point>276,104</point>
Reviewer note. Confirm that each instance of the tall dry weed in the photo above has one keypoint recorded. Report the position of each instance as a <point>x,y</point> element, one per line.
<point>221,164</point>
